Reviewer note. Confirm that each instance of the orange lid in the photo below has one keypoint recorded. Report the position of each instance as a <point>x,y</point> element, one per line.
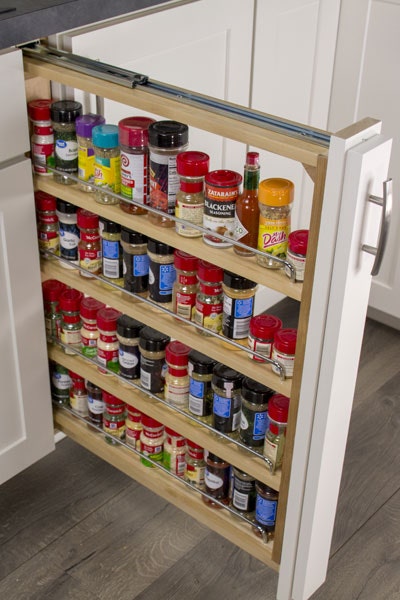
<point>276,192</point>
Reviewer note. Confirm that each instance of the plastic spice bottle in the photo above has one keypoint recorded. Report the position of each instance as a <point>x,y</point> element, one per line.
<point>239,294</point>
<point>107,344</point>
<point>69,232</point>
<point>262,330</point>
<point>128,330</point>
<point>200,369</point>
<point>151,441</point>
<point>247,211</point>
<point>89,246</point>
<point>254,416</point>
<point>152,344</point>
<point>275,197</point>
<point>70,302</point>
<point>221,193</point>
<point>195,465</point>
<point>134,140</point>
<point>192,167</point>
<point>113,418</point>
<point>42,139</point>
<point>135,262</point>
<point>60,382</point>
<point>111,251</point>
<point>162,272</point>
<point>216,480</point>
<point>63,116</point>
<point>186,285</point>
<point>275,436</point>
<point>134,427</point>
<point>284,349</point>
<point>296,252</point>
<point>107,163</point>
<point>47,222</point>
<point>89,331</point>
<point>52,290</point>
<point>226,384</point>
<point>176,391</point>
<point>166,140</point>
<point>244,492</point>
<point>84,126</point>
<point>174,452</point>
<point>266,509</point>
<point>78,395</point>
<point>209,299</point>
<point>95,404</point>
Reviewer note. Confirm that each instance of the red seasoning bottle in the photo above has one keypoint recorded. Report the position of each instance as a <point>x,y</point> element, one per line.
<point>247,210</point>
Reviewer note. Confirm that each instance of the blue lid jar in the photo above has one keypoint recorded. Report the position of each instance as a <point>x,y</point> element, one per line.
<point>105,136</point>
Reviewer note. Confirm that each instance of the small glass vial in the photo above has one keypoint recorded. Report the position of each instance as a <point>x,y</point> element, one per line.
<point>128,330</point>
<point>176,391</point>
<point>107,163</point>
<point>162,272</point>
<point>69,232</point>
<point>209,299</point>
<point>63,115</point>
<point>239,294</point>
<point>275,436</point>
<point>84,126</point>
<point>135,262</point>
<point>134,427</point>
<point>78,395</point>
<point>166,140</point>
<point>42,139</point>
<point>95,404</point>
<point>52,290</point>
<point>195,465</point>
<point>89,331</point>
<point>266,509</point>
<point>70,302</point>
<point>275,198</point>
<point>152,344</point>
<point>174,452</point>
<point>254,416</point>
<point>113,418</point>
<point>60,383</point>
<point>151,441</point>
<point>243,492</point>
<point>134,141</point>
<point>226,384</point>
<point>186,284</point>
<point>107,344</point>
<point>284,350</point>
<point>111,251</point>
<point>297,252</point>
<point>222,191</point>
<point>216,480</point>
<point>192,167</point>
<point>262,330</point>
<point>47,223</point>
<point>200,369</point>
<point>89,246</point>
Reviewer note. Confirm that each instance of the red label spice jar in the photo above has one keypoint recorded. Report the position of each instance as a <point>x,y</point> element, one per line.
<point>209,299</point>
<point>78,398</point>
<point>89,331</point>
<point>42,140</point>
<point>174,452</point>
<point>275,436</point>
<point>283,350</point>
<point>221,193</point>
<point>192,166</point>
<point>262,330</point>
<point>134,427</point>
<point>47,223</point>
<point>107,345</point>
<point>52,290</point>
<point>296,253</point>
<point>186,284</point>
<point>113,418</point>
<point>195,465</point>
<point>70,303</point>
<point>176,391</point>
<point>89,246</point>
<point>151,441</point>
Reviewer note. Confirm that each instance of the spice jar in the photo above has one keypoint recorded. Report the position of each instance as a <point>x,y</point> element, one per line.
<point>84,127</point>
<point>152,346</point>
<point>60,382</point>
<point>47,223</point>
<point>191,166</point>
<point>70,302</point>
<point>226,385</point>
<point>200,368</point>
<point>275,198</point>
<point>68,232</point>
<point>238,307</point>
<point>186,285</point>
<point>275,436</point>
<point>107,163</point>
<point>134,140</point>
<point>113,418</point>
<point>135,262</point>
<point>296,253</point>
<point>63,116</point>
<point>42,139</point>
<point>162,272</point>
<point>195,465</point>
<point>266,509</point>
<point>216,480</point>
<point>176,391</point>
<point>243,492</point>
<point>247,212</point>
<point>221,193</point>
<point>209,298</point>
<point>151,441</point>
<point>52,290</point>
<point>174,452</point>
<point>78,395</point>
<point>284,349</point>
<point>111,251</point>
<point>95,404</point>
<point>89,246</point>
<point>128,330</point>
<point>262,329</point>
<point>254,415</point>
<point>89,331</point>
<point>107,344</point>
<point>134,427</point>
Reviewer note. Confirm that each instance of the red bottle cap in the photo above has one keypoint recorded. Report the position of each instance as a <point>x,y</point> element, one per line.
<point>195,451</point>
<point>298,241</point>
<point>44,201</point>
<point>278,408</point>
<point>177,354</point>
<point>133,131</point>
<point>264,326</point>
<point>107,319</point>
<point>192,163</point>
<point>90,307</point>
<point>111,399</point>
<point>150,423</point>
<point>208,272</point>
<point>52,290</point>
<point>70,300</point>
<point>285,340</point>
<point>184,261</point>
<point>253,159</point>
<point>224,178</point>
<point>87,219</point>
<point>39,110</point>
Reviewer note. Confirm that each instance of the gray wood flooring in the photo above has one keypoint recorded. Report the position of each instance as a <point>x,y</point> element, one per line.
<point>73,527</point>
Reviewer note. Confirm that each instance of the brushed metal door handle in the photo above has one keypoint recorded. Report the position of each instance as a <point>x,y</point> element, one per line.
<point>386,203</point>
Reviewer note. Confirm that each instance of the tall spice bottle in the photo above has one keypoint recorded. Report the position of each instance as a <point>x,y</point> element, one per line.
<point>247,210</point>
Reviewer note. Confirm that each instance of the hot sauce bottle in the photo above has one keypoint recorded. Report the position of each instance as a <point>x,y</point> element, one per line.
<point>247,210</point>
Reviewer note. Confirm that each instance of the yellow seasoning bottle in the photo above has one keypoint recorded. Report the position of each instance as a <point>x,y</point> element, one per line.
<point>107,163</point>
<point>275,198</point>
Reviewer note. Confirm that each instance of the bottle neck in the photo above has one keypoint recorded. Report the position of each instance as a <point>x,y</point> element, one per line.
<point>251,178</point>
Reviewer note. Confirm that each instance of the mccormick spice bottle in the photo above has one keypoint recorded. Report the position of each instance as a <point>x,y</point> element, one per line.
<point>284,350</point>
<point>89,246</point>
<point>209,298</point>
<point>186,284</point>
<point>113,418</point>
<point>151,441</point>
<point>247,211</point>
<point>195,465</point>
<point>47,223</point>
<point>63,115</point>
<point>221,193</point>
<point>275,436</point>
<point>107,345</point>
<point>70,302</point>
<point>174,452</point>
<point>296,252</point>
<point>52,290</point>
<point>89,331</point>
<point>192,167</point>
<point>78,395</point>
<point>262,330</point>
<point>176,390</point>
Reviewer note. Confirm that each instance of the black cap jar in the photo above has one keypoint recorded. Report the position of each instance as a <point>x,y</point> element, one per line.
<point>63,115</point>
<point>254,415</point>
<point>226,385</point>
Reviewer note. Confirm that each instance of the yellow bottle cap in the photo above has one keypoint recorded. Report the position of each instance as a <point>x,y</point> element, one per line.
<point>276,192</point>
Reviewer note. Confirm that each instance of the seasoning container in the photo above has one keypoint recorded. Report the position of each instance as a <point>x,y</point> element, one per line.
<point>60,382</point>
<point>166,140</point>
<point>296,253</point>
<point>284,349</point>
<point>262,330</point>
<point>195,465</point>
<point>275,197</point>
<point>192,167</point>
<point>134,427</point>
<point>200,368</point>
<point>176,391</point>
<point>113,418</point>
<point>52,290</point>
<point>238,307</point>
<point>111,251</point>
<point>78,395</point>
<point>128,330</point>
<point>254,415</point>
<point>70,302</point>
<point>174,452</point>
<point>221,193</point>
<point>216,480</point>
<point>89,331</point>
<point>84,127</point>
<point>134,140</point>
<point>42,138</point>
<point>107,163</point>
<point>95,404</point>
<point>226,385</point>
<point>151,441</point>
<point>47,223</point>
<point>266,509</point>
<point>107,344</point>
<point>209,298</point>
<point>63,115</point>
<point>162,272</point>
<point>68,232</point>
<point>152,346</point>
<point>243,492</point>
<point>275,436</point>
<point>89,246</point>
<point>247,211</point>
<point>186,285</point>
<point>135,262</point>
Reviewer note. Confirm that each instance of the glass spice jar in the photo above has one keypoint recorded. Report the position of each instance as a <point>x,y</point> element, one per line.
<point>176,390</point>
<point>297,252</point>
<point>107,163</point>
<point>95,404</point>
<point>275,436</point>
<point>134,427</point>
<point>113,418</point>
<point>162,272</point>
<point>68,232</point>
<point>174,452</point>
<point>47,223</point>
<point>107,344</point>
<point>284,350</point>
<point>152,344</point>
<point>209,298</point>
<point>135,262</point>
<point>70,302</point>
<point>42,138</point>
<point>243,492</point>
<point>151,441</point>
<point>262,329</point>
<point>195,465</point>
<point>89,331</point>
<point>266,509</point>
<point>221,192</point>
<point>226,384</point>
<point>89,246</point>
<point>191,166</point>
<point>60,382</point>
<point>78,395</point>
<point>63,115</point>
<point>111,251</point>
<point>52,290</point>
<point>216,480</point>
<point>254,414</point>
<point>84,127</point>
<point>128,330</point>
<point>239,294</point>
<point>200,368</point>
<point>186,285</point>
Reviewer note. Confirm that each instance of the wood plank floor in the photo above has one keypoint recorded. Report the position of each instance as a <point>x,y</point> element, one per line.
<point>72,527</point>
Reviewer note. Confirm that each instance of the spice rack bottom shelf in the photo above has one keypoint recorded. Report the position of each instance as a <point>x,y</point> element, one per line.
<point>221,521</point>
